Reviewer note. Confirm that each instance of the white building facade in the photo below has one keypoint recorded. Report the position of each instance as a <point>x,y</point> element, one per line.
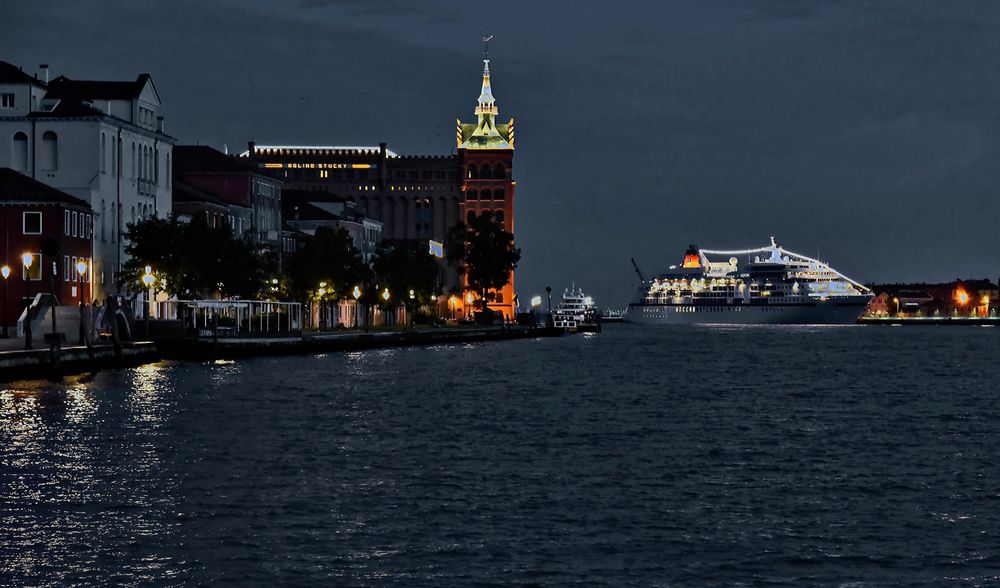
<point>101,141</point>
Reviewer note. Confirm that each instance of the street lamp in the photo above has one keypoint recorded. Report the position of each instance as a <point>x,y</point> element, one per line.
<point>5,272</point>
<point>548,292</point>
<point>385,296</point>
<point>148,279</point>
<point>27,259</point>
<point>81,270</point>
<point>357,294</point>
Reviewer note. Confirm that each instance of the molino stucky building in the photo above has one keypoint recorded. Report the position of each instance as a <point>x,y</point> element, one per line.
<point>417,197</point>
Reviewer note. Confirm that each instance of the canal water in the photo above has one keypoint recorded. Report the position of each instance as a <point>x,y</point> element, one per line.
<point>861,456</point>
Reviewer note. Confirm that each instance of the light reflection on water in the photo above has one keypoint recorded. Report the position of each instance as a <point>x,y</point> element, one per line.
<point>632,457</point>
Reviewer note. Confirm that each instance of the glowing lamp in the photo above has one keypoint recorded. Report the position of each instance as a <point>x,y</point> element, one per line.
<point>26,259</point>
<point>81,267</point>
<point>357,292</point>
<point>412,294</point>
<point>469,298</point>
<point>5,271</point>
<point>536,301</point>
<point>385,295</point>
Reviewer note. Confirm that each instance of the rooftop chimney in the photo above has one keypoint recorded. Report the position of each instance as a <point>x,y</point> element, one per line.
<point>45,71</point>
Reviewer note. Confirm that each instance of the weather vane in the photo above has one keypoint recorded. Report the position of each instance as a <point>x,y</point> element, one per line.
<point>486,46</point>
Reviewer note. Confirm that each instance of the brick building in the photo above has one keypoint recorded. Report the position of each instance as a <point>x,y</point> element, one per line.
<point>415,197</point>
<point>30,213</point>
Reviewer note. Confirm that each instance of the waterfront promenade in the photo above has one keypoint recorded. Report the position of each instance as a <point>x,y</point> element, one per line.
<point>17,363</point>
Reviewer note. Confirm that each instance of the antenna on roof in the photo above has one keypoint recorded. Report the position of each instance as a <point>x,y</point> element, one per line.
<point>486,46</point>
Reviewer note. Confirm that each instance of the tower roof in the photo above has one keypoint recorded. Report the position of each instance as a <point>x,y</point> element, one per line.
<point>485,134</point>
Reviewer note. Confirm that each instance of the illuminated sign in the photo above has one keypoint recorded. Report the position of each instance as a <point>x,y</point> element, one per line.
<point>320,165</point>
<point>436,248</point>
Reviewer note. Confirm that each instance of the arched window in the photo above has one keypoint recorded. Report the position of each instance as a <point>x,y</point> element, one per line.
<point>104,220</point>
<point>484,173</point>
<point>473,172</point>
<point>104,153</point>
<point>120,158</point>
<point>472,195</point>
<point>156,166</point>
<point>499,172</point>
<point>498,214</point>
<point>168,171</point>
<point>19,152</point>
<point>469,216</point>
<point>114,158</point>
<point>134,168</point>
<point>498,194</point>
<point>50,151</point>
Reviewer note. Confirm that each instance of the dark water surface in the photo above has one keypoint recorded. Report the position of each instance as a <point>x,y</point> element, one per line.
<point>861,456</point>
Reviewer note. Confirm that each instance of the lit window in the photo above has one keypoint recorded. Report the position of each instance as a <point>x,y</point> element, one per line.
<point>66,222</point>
<point>32,223</point>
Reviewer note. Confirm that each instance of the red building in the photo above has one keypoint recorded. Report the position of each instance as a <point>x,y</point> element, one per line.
<point>417,198</point>
<point>32,212</point>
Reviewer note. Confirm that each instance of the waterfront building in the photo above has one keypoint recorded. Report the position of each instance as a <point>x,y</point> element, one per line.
<point>415,197</point>
<point>305,211</point>
<point>32,212</point>
<point>961,298</point>
<point>100,141</point>
<point>253,198</point>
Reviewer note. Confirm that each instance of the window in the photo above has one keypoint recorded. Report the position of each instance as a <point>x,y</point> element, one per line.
<point>114,159</point>
<point>72,230</point>
<point>498,194</point>
<point>19,152</point>
<point>72,274</point>
<point>81,230</point>
<point>168,170</point>
<point>133,164</point>
<point>485,172</point>
<point>50,151</point>
<point>66,267</point>
<point>472,195</point>
<point>473,172</point>
<point>6,100</point>
<point>104,221</point>
<point>499,172</point>
<point>32,223</point>
<point>104,153</point>
<point>471,215</point>
<point>66,222</point>
<point>499,216</point>
<point>34,273</point>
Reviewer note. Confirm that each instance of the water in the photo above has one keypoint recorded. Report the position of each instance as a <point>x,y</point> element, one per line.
<point>641,456</point>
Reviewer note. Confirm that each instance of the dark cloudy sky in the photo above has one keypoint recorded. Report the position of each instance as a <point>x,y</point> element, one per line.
<point>865,132</point>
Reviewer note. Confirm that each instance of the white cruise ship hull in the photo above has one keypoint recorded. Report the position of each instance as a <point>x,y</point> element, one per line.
<point>818,313</point>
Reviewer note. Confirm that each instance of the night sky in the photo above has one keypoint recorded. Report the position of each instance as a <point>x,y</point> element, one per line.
<point>867,133</point>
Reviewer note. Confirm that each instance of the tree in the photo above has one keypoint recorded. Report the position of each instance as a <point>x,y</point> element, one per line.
<point>192,260</point>
<point>405,268</point>
<point>484,252</point>
<point>327,257</point>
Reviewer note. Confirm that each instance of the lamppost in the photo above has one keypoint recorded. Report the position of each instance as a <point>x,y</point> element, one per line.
<point>357,295</point>
<point>385,296</point>
<point>469,299</point>
<point>148,279</point>
<point>412,297</point>
<point>451,307</point>
<point>548,292</point>
<point>81,270</point>
<point>5,272</point>
<point>27,259</point>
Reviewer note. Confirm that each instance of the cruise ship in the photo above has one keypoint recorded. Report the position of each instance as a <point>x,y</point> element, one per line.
<point>767,285</point>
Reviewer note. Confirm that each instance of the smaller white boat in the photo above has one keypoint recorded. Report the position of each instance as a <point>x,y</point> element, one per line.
<point>576,312</point>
